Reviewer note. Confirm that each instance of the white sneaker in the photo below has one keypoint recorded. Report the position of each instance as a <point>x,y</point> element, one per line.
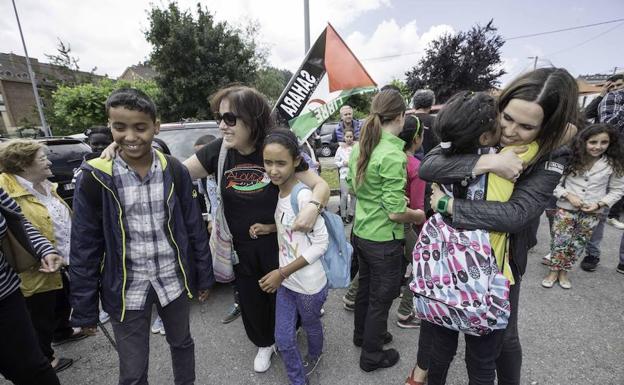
<point>616,223</point>
<point>546,260</point>
<point>104,317</point>
<point>158,327</point>
<point>262,362</point>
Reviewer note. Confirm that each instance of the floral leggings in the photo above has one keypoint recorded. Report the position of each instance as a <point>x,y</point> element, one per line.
<point>571,230</point>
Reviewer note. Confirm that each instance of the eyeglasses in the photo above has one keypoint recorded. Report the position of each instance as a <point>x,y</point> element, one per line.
<point>228,117</point>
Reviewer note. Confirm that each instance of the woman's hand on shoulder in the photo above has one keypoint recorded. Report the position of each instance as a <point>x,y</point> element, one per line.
<point>110,152</point>
<point>306,218</point>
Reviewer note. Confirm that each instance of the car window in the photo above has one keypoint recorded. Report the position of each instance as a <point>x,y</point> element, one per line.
<point>181,142</point>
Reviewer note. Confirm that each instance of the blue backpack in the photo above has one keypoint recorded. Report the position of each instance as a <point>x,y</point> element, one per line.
<point>337,259</point>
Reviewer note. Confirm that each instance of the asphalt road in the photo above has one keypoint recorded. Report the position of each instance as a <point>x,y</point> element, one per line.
<point>571,337</point>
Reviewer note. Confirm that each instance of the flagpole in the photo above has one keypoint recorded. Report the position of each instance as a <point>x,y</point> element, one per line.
<point>306,24</point>
<point>44,126</point>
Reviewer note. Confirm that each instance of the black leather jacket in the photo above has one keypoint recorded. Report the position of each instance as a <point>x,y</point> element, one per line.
<point>519,216</point>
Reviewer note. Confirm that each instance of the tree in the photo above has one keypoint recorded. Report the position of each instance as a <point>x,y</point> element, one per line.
<point>271,82</point>
<point>463,61</point>
<point>194,57</point>
<point>76,108</point>
<point>68,66</point>
<point>406,92</point>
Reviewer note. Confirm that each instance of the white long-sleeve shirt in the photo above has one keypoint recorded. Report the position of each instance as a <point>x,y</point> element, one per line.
<point>341,159</point>
<point>309,279</point>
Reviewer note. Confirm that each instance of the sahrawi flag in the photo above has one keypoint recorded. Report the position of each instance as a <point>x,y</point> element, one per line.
<point>329,75</point>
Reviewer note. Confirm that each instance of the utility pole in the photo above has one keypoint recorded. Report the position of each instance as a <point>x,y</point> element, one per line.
<point>615,70</point>
<point>33,81</point>
<point>535,62</point>
<point>306,24</point>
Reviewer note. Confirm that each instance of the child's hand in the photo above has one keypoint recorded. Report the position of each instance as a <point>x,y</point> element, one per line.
<point>574,200</point>
<point>590,208</point>
<point>260,229</point>
<point>202,295</point>
<point>507,164</point>
<point>270,282</point>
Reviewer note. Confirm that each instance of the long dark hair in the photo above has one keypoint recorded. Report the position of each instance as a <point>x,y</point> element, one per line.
<point>287,139</point>
<point>462,120</point>
<point>386,106</point>
<point>556,91</point>
<point>581,159</point>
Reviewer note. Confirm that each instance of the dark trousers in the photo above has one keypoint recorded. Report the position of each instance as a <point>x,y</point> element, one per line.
<point>509,361</point>
<point>132,337</point>
<point>425,344</point>
<point>481,353</point>
<point>62,311</point>
<point>257,258</point>
<point>21,359</point>
<point>41,308</point>
<point>380,280</point>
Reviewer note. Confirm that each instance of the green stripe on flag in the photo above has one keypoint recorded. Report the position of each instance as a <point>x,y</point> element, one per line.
<point>304,124</point>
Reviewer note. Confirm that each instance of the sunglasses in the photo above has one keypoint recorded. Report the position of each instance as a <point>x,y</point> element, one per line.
<point>228,117</point>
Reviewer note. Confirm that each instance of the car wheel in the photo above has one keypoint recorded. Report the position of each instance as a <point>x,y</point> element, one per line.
<point>326,151</point>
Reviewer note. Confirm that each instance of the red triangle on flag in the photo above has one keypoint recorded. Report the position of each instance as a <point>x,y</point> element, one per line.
<point>344,70</point>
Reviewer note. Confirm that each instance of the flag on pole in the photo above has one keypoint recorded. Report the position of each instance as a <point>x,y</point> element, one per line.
<point>310,96</point>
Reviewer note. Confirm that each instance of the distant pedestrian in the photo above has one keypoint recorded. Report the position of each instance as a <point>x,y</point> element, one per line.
<point>341,159</point>
<point>300,279</point>
<point>593,181</point>
<point>422,101</point>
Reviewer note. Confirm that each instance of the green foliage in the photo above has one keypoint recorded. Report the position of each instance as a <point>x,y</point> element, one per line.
<point>406,92</point>
<point>271,82</point>
<point>464,61</point>
<point>74,109</point>
<point>195,56</point>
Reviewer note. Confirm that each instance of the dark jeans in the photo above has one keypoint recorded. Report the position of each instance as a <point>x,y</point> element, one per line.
<point>380,280</point>
<point>41,308</point>
<point>21,359</point>
<point>509,361</point>
<point>132,336</point>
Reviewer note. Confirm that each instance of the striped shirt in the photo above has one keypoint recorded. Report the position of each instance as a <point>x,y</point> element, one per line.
<point>9,281</point>
<point>151,260</point>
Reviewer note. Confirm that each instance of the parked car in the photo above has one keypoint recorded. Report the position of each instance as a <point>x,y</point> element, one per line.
<point>180,137</point>
<point>66,155</point>
<point>326,147</point>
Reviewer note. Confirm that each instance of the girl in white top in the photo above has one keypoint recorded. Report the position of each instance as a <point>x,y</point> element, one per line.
<point>300,280</point>
<point>342,162</point>
<point>593,181</point>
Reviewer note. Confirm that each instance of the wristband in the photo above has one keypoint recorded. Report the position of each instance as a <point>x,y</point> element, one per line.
<point>319,206</point>
<point>442,205</point>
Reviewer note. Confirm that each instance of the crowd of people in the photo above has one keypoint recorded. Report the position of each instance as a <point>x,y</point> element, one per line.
<point>488,165</point>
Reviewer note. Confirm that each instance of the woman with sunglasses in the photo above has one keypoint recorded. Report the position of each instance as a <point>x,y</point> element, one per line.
<point>249,200</point>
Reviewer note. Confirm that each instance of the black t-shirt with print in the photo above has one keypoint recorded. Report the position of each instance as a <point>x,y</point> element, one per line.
<point>248,195</point>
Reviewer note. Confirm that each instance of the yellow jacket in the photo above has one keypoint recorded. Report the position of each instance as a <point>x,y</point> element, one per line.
<point>33,281</point>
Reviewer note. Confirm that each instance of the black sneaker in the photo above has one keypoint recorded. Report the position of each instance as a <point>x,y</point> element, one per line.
<point>391,357</point>
<point>590,263</point>
<point>620,268</point>
<point>387,339</point>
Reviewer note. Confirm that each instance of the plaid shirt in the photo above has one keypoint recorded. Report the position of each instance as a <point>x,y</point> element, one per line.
<point>150,258</point>
<point>611,110</point>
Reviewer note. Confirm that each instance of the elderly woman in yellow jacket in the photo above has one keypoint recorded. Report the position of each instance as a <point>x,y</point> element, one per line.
<point>25,168</point>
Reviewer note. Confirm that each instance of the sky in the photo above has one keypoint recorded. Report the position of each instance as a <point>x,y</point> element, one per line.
<point>388,36</point>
